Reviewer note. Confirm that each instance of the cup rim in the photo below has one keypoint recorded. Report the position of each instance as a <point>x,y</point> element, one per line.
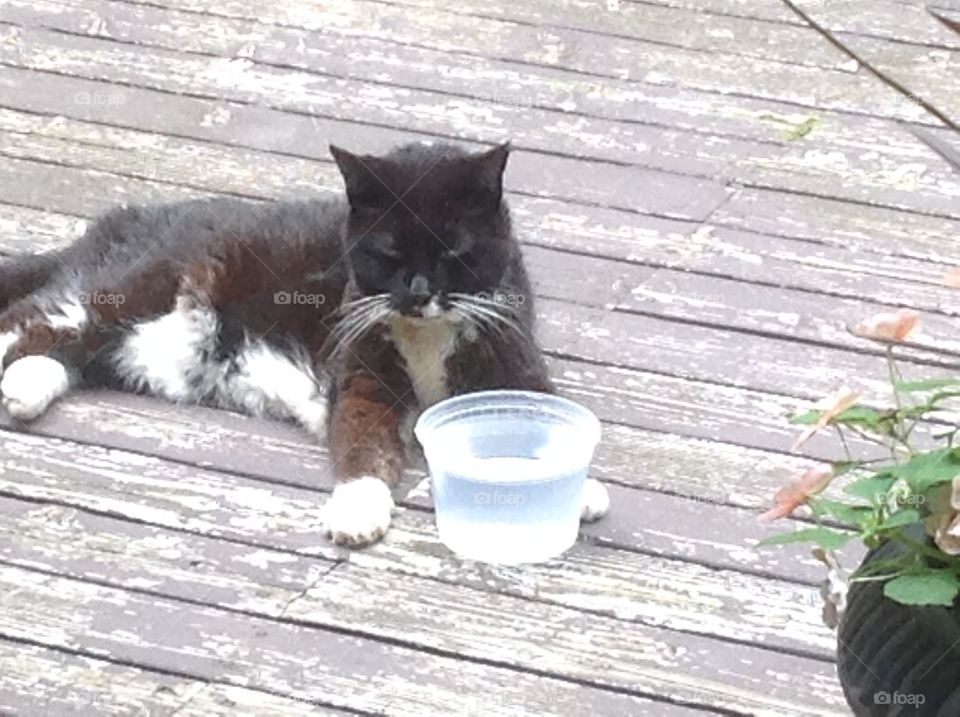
<point>479,402</point>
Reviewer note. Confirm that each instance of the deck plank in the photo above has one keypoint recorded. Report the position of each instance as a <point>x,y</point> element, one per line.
<point>625,584</point>
<point>694,468</point>
<point>541,637</point>
<point>724,302</point>
<point>836,223</point>
<point>37,680</point>
<point>872,161</point>
<point>733,178</point>
<point>317,665</point>
<point>685,484</point>
<point>687,27</point>
<point>912,23</point>
<point>928,73</point>
<point>867,170</point>
<point>572,50</point>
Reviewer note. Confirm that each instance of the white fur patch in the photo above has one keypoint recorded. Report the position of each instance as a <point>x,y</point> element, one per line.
<point>171,356</point>
<point>66,312</point>
<point>7,340</point>
<point>595,502</point>
<point>358,512</point>
<point>268,382</point>
<point>31,384</point>
<point>425,345</point>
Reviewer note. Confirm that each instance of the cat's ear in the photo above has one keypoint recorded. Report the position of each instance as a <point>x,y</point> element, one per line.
<point>364,188</point>
<point>489,167</point>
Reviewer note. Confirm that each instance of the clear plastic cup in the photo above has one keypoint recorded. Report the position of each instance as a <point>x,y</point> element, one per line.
<point>507,471</point>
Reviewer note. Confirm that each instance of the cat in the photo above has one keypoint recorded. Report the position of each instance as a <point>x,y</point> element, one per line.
<point>346,315</point>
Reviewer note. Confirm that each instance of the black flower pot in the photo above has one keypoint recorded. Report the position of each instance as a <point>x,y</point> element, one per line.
<point>897,659</point>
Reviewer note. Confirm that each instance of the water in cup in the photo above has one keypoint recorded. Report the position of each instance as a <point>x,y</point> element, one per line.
<point>506,513</point>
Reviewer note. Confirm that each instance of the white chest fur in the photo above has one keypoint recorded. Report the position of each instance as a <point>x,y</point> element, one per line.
<point>425,345</point>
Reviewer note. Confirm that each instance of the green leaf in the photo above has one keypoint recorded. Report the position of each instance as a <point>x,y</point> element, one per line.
<point>933,587</point>
<point>900,519</point>
<point>807,418</point>
<point>824,537</point>
<point>862,415</point>
<point>852,514</point>
<point>874,488</point>
<point>891,566</point>
<point>928,384</point>
<point>926,470</point>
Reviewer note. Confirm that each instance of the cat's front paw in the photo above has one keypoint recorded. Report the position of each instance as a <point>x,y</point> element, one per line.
<point>358,512</point>
<point>31,384</point>
<point>596,501</point>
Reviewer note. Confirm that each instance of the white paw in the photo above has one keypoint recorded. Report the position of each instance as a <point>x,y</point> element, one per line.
<point>596,501</point>
<point>31,384</point>
<point>358,512</point>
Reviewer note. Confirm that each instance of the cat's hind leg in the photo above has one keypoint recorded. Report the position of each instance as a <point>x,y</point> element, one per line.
<point>267,381</point>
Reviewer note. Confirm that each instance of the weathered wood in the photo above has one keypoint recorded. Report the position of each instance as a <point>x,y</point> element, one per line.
<point>865,169</point>
<point>72,542</point>
<point>755,308</point>
<point>315,665</point>
<point>757,9</point>
<point>168,159</point>
<point>728,304</point>
<point>836,223</point>
<point>31,184</point>
<point>273,130</point>
<point>40,681</point>
<point>913,23</point>
<point>442,616</point>
<point>24,230</point>
<point>695,479</point>
<point>590,577</point>
<point>668,597</point>
<point>573,50</point>
<point>698,469</point>
<point>662,24</point>
<point>929,73</point>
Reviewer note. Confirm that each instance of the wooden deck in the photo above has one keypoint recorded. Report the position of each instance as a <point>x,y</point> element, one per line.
<point>709,192</point>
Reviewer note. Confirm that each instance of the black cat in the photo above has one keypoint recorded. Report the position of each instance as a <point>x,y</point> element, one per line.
<point>411,291</point>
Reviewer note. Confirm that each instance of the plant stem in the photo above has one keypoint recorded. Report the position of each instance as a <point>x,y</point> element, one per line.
<point>843,440</point>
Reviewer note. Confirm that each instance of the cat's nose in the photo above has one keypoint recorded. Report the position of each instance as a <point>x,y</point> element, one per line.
<point>419,288</point>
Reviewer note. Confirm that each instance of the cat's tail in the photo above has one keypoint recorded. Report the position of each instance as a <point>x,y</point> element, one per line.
<point>22,275</point>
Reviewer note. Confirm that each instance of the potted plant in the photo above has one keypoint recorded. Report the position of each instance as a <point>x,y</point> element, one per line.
<point>898,626</point>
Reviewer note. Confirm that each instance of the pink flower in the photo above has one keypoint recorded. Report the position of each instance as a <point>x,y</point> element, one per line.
<point>830,407</point>
<point>889,326</point>
<point>792,496</point>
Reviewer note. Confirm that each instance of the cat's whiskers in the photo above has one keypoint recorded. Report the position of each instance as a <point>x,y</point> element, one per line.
<point>495,312</point>
<point>371,319</point>
<point>358,320</point>
<point>363,301</point>
<point>479,320</point>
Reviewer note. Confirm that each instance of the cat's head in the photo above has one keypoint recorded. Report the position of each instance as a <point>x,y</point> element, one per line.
<point>427,223</point>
